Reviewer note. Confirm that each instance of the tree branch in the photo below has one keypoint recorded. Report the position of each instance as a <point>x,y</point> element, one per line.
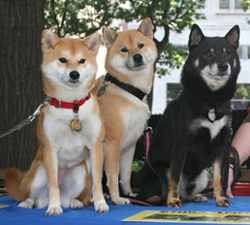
<point>52,2</point>
<point>66,3</point>
<point>160,44</point>
<point>180,16</point>
<point>151,7</point>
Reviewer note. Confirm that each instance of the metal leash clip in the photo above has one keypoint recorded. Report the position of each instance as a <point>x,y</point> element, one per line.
<point>27,120</point>
<point>148,128</point>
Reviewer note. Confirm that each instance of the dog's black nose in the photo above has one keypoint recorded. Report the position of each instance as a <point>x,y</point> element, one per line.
<point>223,66</point>
<point>137,58</point>
<point>74,75</point>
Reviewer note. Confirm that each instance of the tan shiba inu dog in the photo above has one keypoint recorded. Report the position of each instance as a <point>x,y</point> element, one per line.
<point>130,66</point>
<point>69,127</point>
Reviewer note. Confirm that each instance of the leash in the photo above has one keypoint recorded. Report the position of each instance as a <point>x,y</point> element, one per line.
<point>148,132</point>
<point>27,120</point>
<point>138,202</point>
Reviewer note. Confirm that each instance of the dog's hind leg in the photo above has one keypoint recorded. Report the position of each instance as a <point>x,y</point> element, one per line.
<point>191,190</point>
<point>72,186</point>
<point>38,184</point>
<point>42,199</point>
<point>126,164</point>
<point>162,174</point>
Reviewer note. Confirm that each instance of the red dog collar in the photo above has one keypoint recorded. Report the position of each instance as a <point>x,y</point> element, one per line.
<point>69,105</point>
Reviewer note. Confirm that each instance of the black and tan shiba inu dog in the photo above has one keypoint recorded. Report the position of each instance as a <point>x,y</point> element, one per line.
<point>194,130</point>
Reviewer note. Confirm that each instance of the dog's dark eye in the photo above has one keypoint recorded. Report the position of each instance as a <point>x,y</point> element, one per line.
<point>226,53</point>
<point>140,45</point>
<point>208,55</point>
<point>82,61</point>
<point>62,60</point>
<point>124,49</point>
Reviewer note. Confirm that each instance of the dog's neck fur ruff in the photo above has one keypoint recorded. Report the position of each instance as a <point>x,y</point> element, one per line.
<point>127,87</point>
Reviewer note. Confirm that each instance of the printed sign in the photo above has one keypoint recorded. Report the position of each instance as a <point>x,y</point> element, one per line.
<point>192,217</point>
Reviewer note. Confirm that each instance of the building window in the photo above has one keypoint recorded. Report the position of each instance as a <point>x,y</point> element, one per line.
<point>230,5</point>
<point>224,4</point>
<point>248,52</point>
<point>173,91</point>
<point>239,51</point>
<point>244,52</point>
<point>238,4</point>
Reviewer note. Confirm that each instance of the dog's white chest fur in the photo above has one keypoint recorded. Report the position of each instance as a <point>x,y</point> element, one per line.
<point>214,127</point>
<point>70,146</point>
<point>134,120</point>
<point>135,124</point>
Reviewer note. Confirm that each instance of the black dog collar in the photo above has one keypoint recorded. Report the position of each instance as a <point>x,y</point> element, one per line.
<point>127,87</point>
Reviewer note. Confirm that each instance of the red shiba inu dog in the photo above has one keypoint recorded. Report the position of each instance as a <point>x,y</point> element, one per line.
<point>130,65</point>
<point>69,127</point>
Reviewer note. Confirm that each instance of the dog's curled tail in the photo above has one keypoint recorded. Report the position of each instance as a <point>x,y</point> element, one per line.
<point>13,179</point>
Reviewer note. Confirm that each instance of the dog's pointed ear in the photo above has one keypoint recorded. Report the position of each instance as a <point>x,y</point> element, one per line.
<point>196,37</point>
<point>146,28</point>
<point>49,40</point>
<point>109,36</point>
<point>93,42</point>
<point>233,36</point>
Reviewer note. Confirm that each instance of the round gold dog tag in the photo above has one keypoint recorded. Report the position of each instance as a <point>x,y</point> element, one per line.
<point>75,125</point>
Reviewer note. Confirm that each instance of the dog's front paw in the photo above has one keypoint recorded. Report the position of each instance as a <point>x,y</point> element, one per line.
<point>54,210</point>
<point>175,202</point>
<point>120,201</point>
<point>222,201</point>
<point>101,206</point>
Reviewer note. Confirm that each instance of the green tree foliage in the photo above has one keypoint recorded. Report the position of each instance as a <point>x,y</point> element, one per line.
<point>246,6</point>
<point>76,17</point>
<point>87,16</point>
<point>241,92</point>
<point>173,91</point>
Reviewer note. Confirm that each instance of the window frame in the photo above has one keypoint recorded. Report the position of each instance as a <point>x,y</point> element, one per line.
<point>232,7</point>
